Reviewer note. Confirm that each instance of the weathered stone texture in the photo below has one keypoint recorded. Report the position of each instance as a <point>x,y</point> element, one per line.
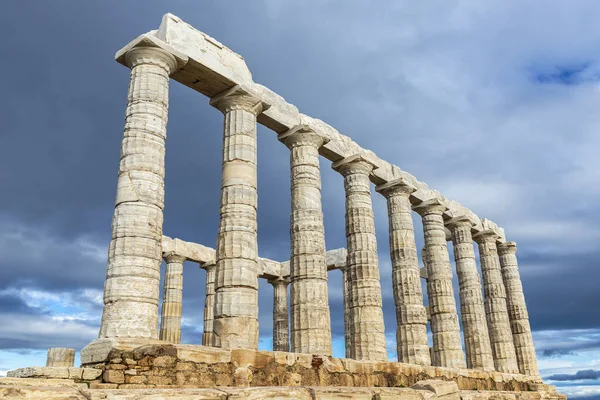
<point>411,332</point>
<point>236,294</point>
<point>447,347</point>
<point>309,303</point>
<point>134,256</point>
<point>60,357</point>
<point>170,322</point>
<point>475,331</point>
<point>209,305</point>
<point>517,310</point>
<point>367,332</point>
<point>501,337</point>
<point>280,315</point>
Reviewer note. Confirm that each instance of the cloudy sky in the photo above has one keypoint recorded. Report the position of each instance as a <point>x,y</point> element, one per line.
<point>493,103</point>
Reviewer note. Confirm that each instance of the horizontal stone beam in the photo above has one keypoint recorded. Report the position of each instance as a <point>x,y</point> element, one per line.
<point>267,269</point>
<point>212,68</point>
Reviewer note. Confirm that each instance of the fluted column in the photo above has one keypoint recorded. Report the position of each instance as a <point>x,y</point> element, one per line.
<point>236,294</point>
<point>346,303</point>
<point>411,316</point>
<point>501,338</point>
<point>209,304</point>
<point>131,290</point>
<point>367,332</point>
<point>475,330</point>
<point>517,310</point>
<point>170,321</point>
<point>309,302</point>
<point>280,315</point>
<point>447,347</point>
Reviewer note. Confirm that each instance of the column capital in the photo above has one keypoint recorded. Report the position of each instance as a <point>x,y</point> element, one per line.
<point>357,163</point>
<point>399,186</point>
<point>302,135</point>
<point>153,56</point>
<point>279,281</point>
<point>485,236</point>
<point>148,49</point>
<point>460,221</point>
<point>507,248</point>
<point>432,206</point>
<point>174,258</point>
<point>239,97</point>
<point>208,265</point>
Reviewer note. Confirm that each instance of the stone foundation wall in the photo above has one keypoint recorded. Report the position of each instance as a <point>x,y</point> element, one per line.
<point>166,365</point>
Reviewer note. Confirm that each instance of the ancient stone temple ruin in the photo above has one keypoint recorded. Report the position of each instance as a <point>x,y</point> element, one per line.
<point>138,350</point>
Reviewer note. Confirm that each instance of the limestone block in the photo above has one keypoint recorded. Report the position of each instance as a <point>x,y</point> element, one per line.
<point>442,389</point>
<point>37,393</point>
<point>60,357</point>
<point>339,393</point>
<point>40,372</point>
<point>269,393</point>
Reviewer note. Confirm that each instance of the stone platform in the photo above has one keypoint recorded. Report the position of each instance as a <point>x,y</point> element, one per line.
<point>63,389</point>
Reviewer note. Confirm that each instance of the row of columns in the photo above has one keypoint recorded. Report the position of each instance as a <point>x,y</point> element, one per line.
<point>131,304</point>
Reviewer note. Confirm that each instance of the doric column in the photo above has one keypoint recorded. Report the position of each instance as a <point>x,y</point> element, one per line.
<point>280,315</point>
<point>236,293</point>
<point>131,289</point>
<point>475,330</point>
<point>501,338</point>
<point>517,310</point>
<point>411,316</point>
<point>345,303</point>
<point>447,347</point>
<point>311,332</point>
<point>209,304</point>
<point>367,332</point>
<point>170,321</point>
<point>60,357</point>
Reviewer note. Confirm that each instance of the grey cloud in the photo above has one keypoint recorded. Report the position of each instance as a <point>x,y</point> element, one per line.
<point>587,374</point>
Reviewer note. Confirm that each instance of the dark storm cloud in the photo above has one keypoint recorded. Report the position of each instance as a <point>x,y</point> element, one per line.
<point>588,374</point>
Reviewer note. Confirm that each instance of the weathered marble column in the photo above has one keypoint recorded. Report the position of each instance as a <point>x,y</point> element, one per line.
<point>367,332</point>
<point>131,289</point>
<point>475,330</point>
<point>411,316</point>
<point>209,304</point>
<point>517,310</point>
<point>447,347</point>
<point>280,315</point>
<point>501,338</point>
<point>346,303</point>
<point>170,322</point>
<point>236,294</point>
<point>309,303</point>
<point>60,357</point>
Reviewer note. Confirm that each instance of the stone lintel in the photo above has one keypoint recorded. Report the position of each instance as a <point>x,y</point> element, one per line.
<point>149,40</point>
<point>460,219</point>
